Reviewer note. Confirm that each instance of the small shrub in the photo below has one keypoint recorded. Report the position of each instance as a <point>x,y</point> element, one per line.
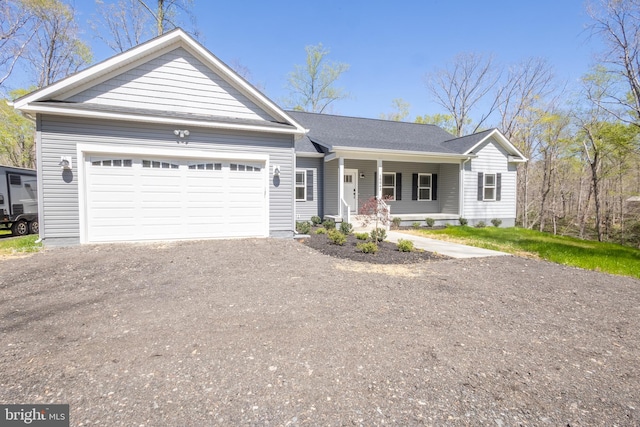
<point>429,221</point>
<point>303,227</point>
<point>337,237</point>
<point>496,222</point>
<point>480,224</point>
<point>316,220</point>
<point>367,248</point>
<point>362,236</point>
<point>396,222</point>
<point>463,221</point>
<point>378,234</point>
<point>321,231</point>
<point>329,224</point>
<point>346,228</point>
<point>405,245</point>
<point>415,225</point>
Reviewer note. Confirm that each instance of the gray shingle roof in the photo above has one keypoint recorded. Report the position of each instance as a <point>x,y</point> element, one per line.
<point>338,131</point>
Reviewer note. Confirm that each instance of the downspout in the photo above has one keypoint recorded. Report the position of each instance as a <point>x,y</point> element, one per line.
<point>461,196</point>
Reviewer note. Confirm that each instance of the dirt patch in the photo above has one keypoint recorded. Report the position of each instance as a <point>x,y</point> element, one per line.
<point>387,253</point>
<point>256,332</point>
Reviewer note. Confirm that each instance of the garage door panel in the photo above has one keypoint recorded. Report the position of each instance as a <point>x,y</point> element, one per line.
<point>157,199</point>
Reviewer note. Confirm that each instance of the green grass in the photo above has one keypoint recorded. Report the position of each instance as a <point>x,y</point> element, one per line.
<point>591,255</point>
<point>12,246</point>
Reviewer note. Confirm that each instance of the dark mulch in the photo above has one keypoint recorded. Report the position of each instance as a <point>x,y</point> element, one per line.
<point>388,252</point>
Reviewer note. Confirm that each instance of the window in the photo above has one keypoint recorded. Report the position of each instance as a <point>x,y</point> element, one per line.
<point>301,185</point>
<point>424,186</point>
<point>118,163</point>
<point>205,166</point>
<point>389,185</point>
<point>489,186</point>
<point>154,164</point>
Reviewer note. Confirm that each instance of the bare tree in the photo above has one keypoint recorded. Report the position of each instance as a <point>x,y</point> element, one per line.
<point>166,14</point>
<point>618,23</point>
<point>17,27</point>
<point>56,50</point>
<point>312,85</point>
<point>468,83</point>
<point>127,23</point>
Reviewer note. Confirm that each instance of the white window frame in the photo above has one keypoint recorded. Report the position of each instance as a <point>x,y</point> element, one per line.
<point>486,187</point>
<point>303,185</point>
<point>392,187</point>
<point>430,187</point>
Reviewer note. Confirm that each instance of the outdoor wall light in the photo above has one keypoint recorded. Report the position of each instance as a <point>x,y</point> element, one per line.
<point>181,133</point>
<point>276,170</point>
<point>361,175</point>
<point>65,163</point>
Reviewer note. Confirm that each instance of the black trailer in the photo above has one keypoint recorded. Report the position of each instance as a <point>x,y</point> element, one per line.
<point>18,200</point>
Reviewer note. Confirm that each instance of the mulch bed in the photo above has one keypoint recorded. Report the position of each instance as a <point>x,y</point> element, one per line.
<point>388,252</point>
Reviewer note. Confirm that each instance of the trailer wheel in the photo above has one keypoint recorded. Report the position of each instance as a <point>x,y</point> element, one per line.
<point>20,228</point>
<point>34,227</point>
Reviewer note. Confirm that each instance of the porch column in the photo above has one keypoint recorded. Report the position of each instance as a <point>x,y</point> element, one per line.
<point>378,189</point>
<point>340,185</point>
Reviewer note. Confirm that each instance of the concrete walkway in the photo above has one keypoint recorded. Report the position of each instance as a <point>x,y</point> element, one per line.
<point>454,250</point>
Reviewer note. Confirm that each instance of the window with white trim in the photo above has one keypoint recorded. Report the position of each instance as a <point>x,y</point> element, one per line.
<point>301,185</point>
<point>389,185</point>
<point>489,190</point>
<point>424,186</point>
<point>118,163</point>
<point>156,164</point>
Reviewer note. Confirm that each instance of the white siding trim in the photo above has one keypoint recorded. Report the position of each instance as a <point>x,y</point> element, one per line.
<point>72,112</point>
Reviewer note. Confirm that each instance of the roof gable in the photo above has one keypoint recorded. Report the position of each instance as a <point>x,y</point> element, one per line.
<point>173,67</point>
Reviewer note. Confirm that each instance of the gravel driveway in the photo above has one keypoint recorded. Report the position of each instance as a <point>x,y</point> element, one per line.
<point>270,332</point>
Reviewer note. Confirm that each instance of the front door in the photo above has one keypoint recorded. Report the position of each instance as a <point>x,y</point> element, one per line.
<point>351,189</point>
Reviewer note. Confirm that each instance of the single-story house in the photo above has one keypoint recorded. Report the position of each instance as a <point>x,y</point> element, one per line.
<point>165,141</point>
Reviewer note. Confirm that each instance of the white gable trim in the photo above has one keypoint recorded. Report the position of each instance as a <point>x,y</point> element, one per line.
<point>140,54</point>
<point>72,112</point>
<point>518,157</point>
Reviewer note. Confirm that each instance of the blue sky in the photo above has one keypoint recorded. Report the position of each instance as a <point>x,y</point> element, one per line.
<point>390,45</point>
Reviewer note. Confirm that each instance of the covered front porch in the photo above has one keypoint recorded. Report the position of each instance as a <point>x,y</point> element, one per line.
<point>414,187</point>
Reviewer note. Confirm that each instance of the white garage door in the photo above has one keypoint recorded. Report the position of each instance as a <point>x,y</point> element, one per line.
<point>132,199</point>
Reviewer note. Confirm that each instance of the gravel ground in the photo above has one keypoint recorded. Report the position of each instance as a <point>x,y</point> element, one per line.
<point>271,332</point>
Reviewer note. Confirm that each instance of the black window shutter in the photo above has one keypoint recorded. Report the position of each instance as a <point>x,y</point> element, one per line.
<point>309,185</point>
<point>498,186</point>
<point>398,186</point>
<point>480,185</point>
<point>375,184</point>
<point>434,186</point>
<point>414,187</point>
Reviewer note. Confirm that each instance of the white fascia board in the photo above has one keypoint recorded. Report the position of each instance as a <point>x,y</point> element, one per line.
<point>398,155</point>
<point>307,154</point>
<point>504,142</point>
<point>71,112</point>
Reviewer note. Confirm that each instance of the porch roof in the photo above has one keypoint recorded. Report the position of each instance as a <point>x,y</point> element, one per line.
<point>328,133</point>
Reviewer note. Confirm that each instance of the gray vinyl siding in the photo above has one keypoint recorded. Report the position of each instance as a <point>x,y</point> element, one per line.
<point>175,81</point>
<point>406,205</point>
<point>492,158</point>
<point>59,136</point>
<point>448,188</point>
<point>331,188</point>
<point>308,208</point>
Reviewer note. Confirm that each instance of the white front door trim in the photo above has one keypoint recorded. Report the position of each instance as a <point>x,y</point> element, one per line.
<point>351,189</point>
